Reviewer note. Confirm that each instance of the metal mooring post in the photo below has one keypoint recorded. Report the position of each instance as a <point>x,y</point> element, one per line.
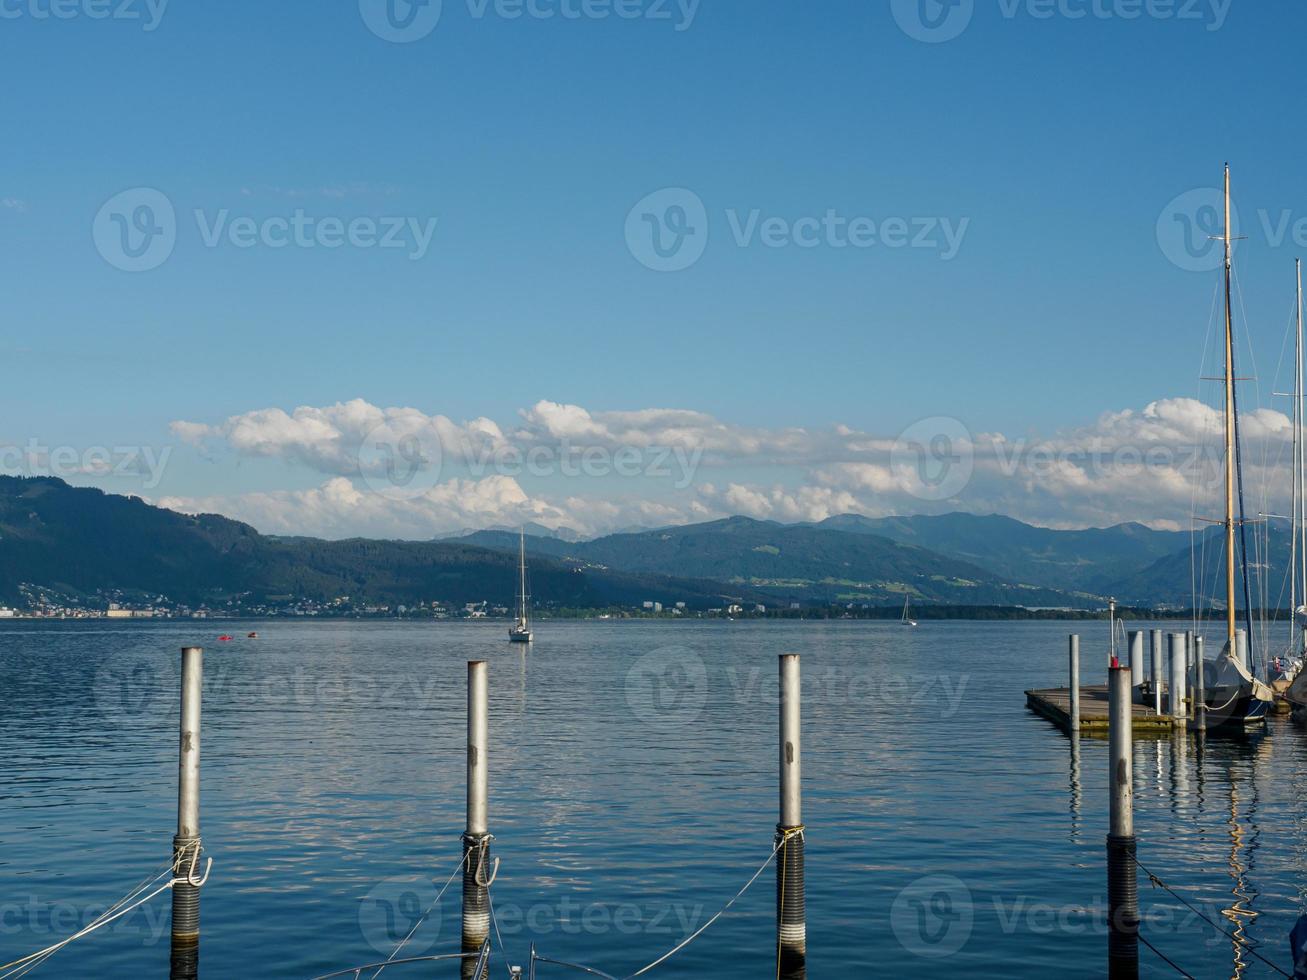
<point>1157,672</point>
<point>1074,671</point>
<point>1200,689</point>
<point>186,844</point>
<point>1122,892</point>
<point>477,874</point>
<point>1136,663</point>
<point>1175,687</point>
<point>791,927</point>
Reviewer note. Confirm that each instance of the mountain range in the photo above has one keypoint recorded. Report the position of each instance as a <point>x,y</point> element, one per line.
<point>82,543</point>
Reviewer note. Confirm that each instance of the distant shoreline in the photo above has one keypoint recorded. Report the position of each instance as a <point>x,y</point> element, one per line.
<point>921,614</point>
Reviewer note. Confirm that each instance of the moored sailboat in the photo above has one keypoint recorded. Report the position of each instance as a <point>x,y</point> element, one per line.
<point>1235,697</point>
<point>907,619</point>
<point>520,631</point>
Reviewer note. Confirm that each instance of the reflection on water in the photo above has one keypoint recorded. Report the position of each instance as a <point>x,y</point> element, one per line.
<point>1203,829</point>
<point>950,832</point>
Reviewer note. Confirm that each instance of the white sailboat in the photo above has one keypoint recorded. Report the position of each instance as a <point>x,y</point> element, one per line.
<point>520,631</point>
<point>907,619</point>
<point>1235,697</point>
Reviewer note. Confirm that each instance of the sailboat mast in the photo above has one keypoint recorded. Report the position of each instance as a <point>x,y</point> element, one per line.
<point>1295,519</point>
<point>1229,427</point>
<point>1299,530</point>
<point>521,565</point>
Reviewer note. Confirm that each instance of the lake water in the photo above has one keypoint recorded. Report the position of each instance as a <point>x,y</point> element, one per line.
<point>950,832</point>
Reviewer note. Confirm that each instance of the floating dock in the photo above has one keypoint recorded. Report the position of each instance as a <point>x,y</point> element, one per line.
<point>1055,705</point>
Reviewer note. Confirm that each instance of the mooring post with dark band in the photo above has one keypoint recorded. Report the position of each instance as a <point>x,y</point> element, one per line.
<point>1122,891</point>
<point>186,844</point>
<point>791,921</point>
<point>1200,689</point>
<point>1073,665</point>
<point>477,874</point>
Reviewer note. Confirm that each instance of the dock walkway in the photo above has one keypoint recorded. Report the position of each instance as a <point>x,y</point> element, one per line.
<point>1055,705</point>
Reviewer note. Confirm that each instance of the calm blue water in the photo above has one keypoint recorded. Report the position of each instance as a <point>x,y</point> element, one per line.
<point>950,831</point>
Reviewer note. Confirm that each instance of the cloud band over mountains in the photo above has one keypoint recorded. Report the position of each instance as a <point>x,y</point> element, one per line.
<point>400,472</point>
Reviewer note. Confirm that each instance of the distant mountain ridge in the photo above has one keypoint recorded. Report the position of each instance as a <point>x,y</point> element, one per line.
<point>82,542</point>
<point>1029,565</point>
<point>1095,560</point>
<point>796,562</point>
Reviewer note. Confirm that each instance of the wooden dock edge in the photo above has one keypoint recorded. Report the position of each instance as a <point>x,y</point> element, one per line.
<point>1094,724</point>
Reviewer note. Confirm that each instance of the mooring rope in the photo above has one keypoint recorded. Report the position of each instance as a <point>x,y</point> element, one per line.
<point>430,908</point>
<point>1167,960</point>
<point>796,832</point>
<point>1251,947</point>
<point>490,902</point>
<point>124,906</point>
<point>782,839</point>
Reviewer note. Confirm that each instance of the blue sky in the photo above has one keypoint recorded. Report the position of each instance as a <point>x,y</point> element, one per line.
<point>1050,144</point>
